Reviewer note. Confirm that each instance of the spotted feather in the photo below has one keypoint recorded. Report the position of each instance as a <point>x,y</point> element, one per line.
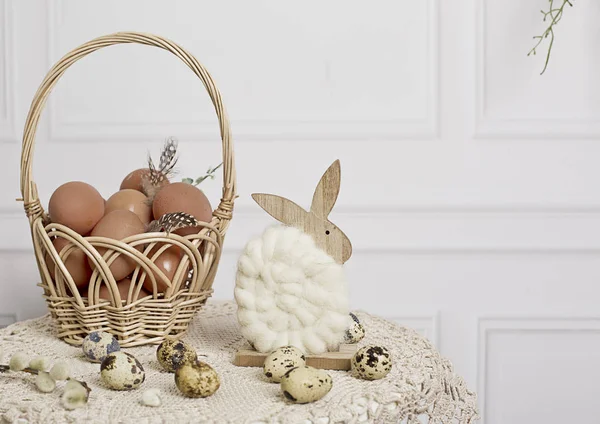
<point>172,221</point>
<point>168,160</point>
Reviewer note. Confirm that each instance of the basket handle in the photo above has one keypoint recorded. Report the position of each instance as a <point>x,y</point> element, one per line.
<point>33,208</point>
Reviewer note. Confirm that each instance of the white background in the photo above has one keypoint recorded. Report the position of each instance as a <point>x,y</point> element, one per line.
<point>470,183</point>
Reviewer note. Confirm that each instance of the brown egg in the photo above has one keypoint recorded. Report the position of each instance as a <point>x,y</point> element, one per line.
<point>76,263</point>
<point>130,200</point>
<point>77,205</point>
<point>167,262</point>
<point>182,197</point>
<point>123,286</point>
<point>134,180</point>
<point>118,225</point>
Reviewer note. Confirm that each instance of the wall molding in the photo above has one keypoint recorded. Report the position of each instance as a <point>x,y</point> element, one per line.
<point>415,230</point>
<point>487,326</point>
<point>490,127</point>
<point>280,130</point>
<point>8,132</point>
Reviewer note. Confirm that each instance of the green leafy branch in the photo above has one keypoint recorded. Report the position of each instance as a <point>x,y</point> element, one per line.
<point>210,173</point>
<point>554,14</point>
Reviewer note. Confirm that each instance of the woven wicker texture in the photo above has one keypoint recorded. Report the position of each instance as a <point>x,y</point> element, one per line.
<point>146,320</point>
<point>422,386</point>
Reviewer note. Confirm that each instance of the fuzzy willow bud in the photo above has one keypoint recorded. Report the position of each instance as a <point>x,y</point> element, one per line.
<point>18,362</point>
<point>44,382</point>
<point>60,371</point>
<point>75,395</point>
<point>40,363</point>
<point>151,397</point>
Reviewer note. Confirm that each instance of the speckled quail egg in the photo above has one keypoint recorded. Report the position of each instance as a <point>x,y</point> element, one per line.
<point>371,362</point>
<point>121,371</point>
<point>305,384</point>
<point>171,354</point>
<point>197,379</point>
<point>355,331</point>
<point>98,344</point>
<point>281,360</point>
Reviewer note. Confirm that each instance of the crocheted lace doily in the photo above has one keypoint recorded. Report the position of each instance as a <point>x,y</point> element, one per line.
<point>422,386</point>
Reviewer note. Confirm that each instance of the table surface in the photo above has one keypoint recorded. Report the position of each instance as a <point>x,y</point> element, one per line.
<point>422,386</point>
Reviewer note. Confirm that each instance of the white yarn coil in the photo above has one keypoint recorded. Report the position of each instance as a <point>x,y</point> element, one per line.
<point>290,292</point>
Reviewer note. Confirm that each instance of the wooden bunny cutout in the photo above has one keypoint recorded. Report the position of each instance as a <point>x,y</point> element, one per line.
<point>314,222</point>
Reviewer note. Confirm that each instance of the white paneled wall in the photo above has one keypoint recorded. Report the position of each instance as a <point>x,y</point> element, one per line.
<point>509,355</point>
<point>7,74</point>
<point>470,183</point>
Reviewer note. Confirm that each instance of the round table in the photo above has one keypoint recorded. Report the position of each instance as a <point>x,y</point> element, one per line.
<point>422,386</point>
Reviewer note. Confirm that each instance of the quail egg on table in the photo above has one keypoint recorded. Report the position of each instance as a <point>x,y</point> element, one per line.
<point>305,384</point>
<point>355,331</point>
<point>372,362</point>
<point>121,371</point>
<point>197,379</point>
<point>281,360</point>
<point>172,354</point>
<point>98,344</point>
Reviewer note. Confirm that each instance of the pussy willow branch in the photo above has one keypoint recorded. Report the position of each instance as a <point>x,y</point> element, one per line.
<point>6,368</point>
<point>555,14</point>
<point>209,174</point>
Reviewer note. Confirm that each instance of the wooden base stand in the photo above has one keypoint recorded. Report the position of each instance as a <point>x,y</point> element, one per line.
<point>326,361</point>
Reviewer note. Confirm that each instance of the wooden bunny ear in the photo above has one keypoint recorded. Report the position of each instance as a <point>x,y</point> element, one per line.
<point>327,191</point>
<point>282,209</point>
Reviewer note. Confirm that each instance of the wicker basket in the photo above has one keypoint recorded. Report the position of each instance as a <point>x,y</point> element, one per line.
<point>150,319</point>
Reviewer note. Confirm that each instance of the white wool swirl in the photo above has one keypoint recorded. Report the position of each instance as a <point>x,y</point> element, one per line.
<point>290,292</point>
